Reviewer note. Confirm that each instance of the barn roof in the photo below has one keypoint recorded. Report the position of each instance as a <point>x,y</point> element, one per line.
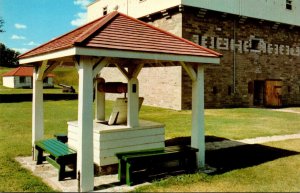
<point>117,31</point>
<point>22,71</point>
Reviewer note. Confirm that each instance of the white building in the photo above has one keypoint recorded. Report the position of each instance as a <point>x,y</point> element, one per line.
<point>281,11</point>
<point>21,77</point>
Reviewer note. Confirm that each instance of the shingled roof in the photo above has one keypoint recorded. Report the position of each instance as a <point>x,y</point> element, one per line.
<point>117,31</point>
<point>22,71</point>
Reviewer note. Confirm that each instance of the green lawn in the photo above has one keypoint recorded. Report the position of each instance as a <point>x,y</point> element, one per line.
<point>239,123</point>
<point>15,135</point>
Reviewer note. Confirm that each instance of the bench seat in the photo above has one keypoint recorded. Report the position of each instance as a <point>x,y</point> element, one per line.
<point>130,162</point>
<point>60,155</point>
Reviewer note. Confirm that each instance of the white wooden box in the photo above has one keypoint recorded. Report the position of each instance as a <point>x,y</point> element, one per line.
<point>109,140</point>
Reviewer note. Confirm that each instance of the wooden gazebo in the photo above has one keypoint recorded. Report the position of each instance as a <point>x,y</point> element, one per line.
<point>116,40</point>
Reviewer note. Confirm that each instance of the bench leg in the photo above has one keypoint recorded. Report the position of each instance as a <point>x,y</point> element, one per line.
<point>129,176</point>
<point>61,172</point>
<point>191,163</point>
<point>73,176</point>
<point>40,157</point>
<point>122,171</point>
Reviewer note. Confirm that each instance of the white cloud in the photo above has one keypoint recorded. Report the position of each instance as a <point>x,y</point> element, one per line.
<point>80,19</point>
<point>31,43</point>
<point>21,50</point>
<point>20,26</point>
<point>82,3</point>
<point>17,37</point>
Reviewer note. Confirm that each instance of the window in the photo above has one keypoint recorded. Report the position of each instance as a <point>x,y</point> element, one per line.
<point>105,10</point>
<point>229,90</point>
<point>254,44</point>
<point>22,79</point>
<point>45,80</point>
<point>250,87</point>
<point>215,90</point>
<point>289,4</point>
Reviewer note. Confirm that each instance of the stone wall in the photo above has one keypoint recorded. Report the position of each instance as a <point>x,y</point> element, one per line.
<point>264,50</point>
<point>160,86</point>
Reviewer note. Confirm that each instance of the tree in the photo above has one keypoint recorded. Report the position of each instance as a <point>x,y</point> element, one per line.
<point>1,25</point>
<point>8,57</point>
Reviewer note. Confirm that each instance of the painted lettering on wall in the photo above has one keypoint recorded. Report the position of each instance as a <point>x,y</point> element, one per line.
<point>254,45</point>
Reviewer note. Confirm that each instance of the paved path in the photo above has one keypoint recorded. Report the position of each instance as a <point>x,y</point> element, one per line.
<point>107,183</point>
<point>287,110</point>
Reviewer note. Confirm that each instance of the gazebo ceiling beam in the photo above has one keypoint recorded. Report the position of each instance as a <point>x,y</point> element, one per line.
<point>103,62</point>
<point>135,70</point>
<point>51,67</point>
<point>151,56</point>
<point>190,70</point>
<point>41,70</point>
<point>123,71</point>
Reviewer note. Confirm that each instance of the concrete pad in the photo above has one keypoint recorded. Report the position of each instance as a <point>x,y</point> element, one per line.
<point>49,174</point>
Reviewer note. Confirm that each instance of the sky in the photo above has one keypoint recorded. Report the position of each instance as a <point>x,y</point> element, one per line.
<point>30,23</point>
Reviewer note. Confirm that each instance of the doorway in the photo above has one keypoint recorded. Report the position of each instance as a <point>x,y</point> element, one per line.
<point>259,92</point>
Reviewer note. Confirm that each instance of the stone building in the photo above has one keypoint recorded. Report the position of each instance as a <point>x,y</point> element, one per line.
<point>259,40</point>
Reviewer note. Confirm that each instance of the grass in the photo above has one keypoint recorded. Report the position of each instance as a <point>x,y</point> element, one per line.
<point>239,123</point>
<point>15,140</point>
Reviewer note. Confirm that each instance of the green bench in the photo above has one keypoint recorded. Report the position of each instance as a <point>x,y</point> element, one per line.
<point>60,155</point>
<point>132,162</point>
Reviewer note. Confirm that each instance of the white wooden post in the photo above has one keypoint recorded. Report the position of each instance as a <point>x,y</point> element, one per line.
<point>99,103</point>
<point>198,130</point>
<point>37,109</point>
<point>133,103</point>
<point>85,164</point>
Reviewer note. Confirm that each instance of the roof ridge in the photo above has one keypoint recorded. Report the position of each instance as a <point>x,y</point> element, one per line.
<point>17,70</point>
<point>174,36</point>
<point>99,24</point>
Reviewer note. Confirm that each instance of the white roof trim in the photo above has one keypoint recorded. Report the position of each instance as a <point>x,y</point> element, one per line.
<point>49,56</point>
<point>119,54</point>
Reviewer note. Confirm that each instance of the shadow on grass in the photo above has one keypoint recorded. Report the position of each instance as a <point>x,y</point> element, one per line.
<point>13,98</point>
<point>236,157</point>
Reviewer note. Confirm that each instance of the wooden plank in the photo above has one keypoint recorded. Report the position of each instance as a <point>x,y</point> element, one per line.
<point>123,71</point>
<point>51,68</point>
<point>112,152</point>
<point>53,162</point>
<point>175,150</point>
<point>130,142</point>
<point>58,147</point>
<point>127,134</point>
<point>55,148</point>
<point>190,70</point>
